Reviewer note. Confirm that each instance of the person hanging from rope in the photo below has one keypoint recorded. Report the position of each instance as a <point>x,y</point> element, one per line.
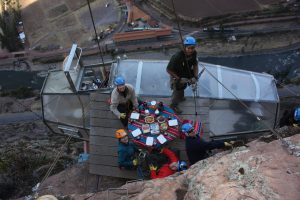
<point>126,151</point>
<point>296,117</point>
<point>196,148</point>
<point>123,100</point>
<point>183,70</point>
<point>290,117</point>
<point>168,168</point>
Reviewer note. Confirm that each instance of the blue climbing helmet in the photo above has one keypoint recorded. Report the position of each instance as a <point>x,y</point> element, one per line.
<point>297,115</point>
<point>181,165</point>
<point>119,81</point>
<point>189,40</point>
<point>185,128</point>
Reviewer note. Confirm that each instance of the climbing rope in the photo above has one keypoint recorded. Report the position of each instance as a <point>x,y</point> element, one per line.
<point>194,87</point>
<point>36,189</point>
<point>58,154</point>
<point>289,90</point>
<point>56,159</point>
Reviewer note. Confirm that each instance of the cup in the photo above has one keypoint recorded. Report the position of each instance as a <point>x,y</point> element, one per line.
<point>147,112</point>
<point>153,103</point>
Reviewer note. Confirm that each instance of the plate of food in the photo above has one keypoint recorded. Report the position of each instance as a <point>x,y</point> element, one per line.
<point>149,119</point>
<point>146,128</point>
<point>160,119</point>
<point>154,128</point>
<point>163,126</point>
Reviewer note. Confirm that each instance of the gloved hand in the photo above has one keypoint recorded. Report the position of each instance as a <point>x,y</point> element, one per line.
<point>122,115</point>
<point>180,84</point>
<point>229,144</point>
<point>162,149</point>
<point>135,162</point>
<point>193,80</point>
<point>183,80</point>
<point>152,168</point>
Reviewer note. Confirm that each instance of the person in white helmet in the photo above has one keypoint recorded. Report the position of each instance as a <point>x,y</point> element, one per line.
<point>123,100</point>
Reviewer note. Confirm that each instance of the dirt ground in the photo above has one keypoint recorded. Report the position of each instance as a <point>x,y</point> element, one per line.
<point>61,23</point>
<point>203,8</point>
<point>251,44</point>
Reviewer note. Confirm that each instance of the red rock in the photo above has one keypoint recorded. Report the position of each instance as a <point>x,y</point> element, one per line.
<point>260,171</point>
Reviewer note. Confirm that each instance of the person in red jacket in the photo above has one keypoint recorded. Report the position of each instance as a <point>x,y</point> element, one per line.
<point>169,168</point>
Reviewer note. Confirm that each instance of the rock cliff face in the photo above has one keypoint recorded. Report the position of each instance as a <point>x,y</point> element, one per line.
<point>259,171</point>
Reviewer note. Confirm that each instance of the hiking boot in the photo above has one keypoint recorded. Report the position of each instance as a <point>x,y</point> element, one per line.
<point>176,109</point>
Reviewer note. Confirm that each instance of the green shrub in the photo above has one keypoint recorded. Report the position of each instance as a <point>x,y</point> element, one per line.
<point>22,93</point>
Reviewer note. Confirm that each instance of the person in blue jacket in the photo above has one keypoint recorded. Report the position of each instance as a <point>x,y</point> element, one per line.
<point>126,151</point>
<point>196,148</point>
<point>297,117</point>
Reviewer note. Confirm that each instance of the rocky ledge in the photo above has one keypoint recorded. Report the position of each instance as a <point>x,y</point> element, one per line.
<point>263,169</point>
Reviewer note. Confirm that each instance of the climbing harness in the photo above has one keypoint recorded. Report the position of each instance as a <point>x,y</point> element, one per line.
<point>142,164</point>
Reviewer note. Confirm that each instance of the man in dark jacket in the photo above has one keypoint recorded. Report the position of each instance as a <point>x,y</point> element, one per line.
<point>183,70</point>
<point>196,148</point>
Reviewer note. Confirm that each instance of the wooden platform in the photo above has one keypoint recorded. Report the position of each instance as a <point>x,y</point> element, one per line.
<point>103,145</point>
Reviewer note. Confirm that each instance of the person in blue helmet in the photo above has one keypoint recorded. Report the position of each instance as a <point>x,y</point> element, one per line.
<point>296,117</point>
<point>290,117</point>
<point>123,100</point>
<point>196,148</point>
<point>183,70</point>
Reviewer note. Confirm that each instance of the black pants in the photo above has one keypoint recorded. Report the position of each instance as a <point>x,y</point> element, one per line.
<point>125,108</point>
<point>177,91</point>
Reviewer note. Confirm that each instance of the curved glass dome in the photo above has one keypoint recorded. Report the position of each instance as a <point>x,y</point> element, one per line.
<point>149,77</point>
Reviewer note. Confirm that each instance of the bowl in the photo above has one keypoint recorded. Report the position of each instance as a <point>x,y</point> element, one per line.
<point>161,119</point>
<point>149,119</point>
<point>163,126</point>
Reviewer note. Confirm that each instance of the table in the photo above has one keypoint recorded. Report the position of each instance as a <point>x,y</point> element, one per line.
<point>142,137</point>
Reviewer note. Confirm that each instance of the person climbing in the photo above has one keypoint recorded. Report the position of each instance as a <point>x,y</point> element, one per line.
<point>123,100</point>
<point>169,168</point>
<point>183,70</point>
<point>196,148</point>
<point>287,118</point>
<point>296,117</point>
<point>126,151</point>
